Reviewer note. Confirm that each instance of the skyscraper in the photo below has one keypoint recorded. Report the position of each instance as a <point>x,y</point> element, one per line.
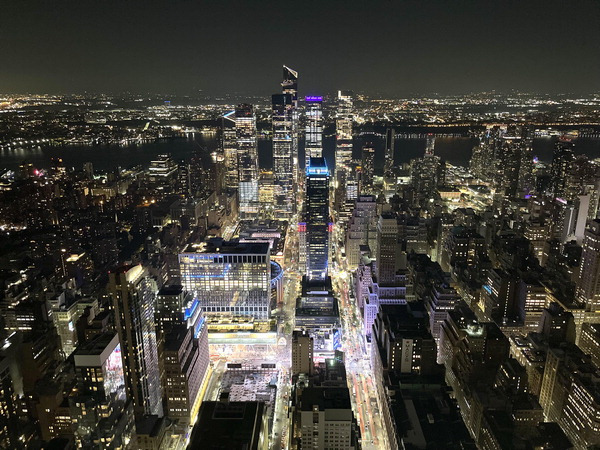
<point>133,295</point>
<point>313,147</point>
<point>283,144</point>
<point>100,409</point>
<point>317,219</point>
<point>388,248</point>
<point>562,159</point>
<point>588,282</point>
<point>367,170</point>
<point>245,127</point>
<point>343,145</point>
<point>289,85</point>
<point>389,150</point>
<point>343,130</point>
<point>230,150</point>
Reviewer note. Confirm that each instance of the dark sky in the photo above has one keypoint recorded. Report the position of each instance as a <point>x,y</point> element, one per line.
<point>392,47</point>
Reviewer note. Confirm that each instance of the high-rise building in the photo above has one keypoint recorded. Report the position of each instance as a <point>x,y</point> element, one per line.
<point>343,143</point>
<point>588,281</point>
<point>389,150</point>
<point>283,150</point>
<point>403,340</point>
<point>245,126</point>
<point>186,360</point>
<point>388,249</point>
<point>289,85</point>
<point>100,409</point>
<point>325,418</point>
<point>361,230</point>
<point>302,353</point>
<point>317,219</point>
<point>313,147</point>
<point>230,150</point>
<point>367,169</point>
<point>229,278</point>
<point>133,294</point>
<point>562,159</point>
<point>162,175</point>
<point>182,349</point>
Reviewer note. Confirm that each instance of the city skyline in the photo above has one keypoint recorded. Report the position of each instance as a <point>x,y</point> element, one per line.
<point>308,267</point>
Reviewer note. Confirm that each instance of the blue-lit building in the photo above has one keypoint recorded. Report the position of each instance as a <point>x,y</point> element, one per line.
<point>229,278</point>
<point>316,219</point>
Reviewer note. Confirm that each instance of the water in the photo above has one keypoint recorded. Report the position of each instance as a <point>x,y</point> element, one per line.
<point>456,150</point>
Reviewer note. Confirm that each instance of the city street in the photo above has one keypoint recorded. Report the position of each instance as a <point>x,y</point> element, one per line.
<point>358,364</point>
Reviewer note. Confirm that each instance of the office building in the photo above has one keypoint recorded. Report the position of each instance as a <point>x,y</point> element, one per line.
<point>289,85</point>
<point>230,150</point>
<point>283,150</point>
<point>245,127</point>
<point>589,342</point>
<point>343,144</point>
<point>562,160</point>
<point>367,169</point>
<point>325,419</point>
<point>101,413</point>
<point>361,230</point>
<point>317,219</point>
<point>133,294</point>
<point>388,249</point>
<point>186,358</point>
<point>313,146</point>
<point>229,278</point>
<point>302,353</point>
<point>588,280</point>
<point>402,341</point>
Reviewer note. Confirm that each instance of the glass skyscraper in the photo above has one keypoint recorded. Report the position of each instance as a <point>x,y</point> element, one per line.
<point>245,126</point>
<point>283,144</point>
<point>343,132</point>
<point>133,294</point>
<point>230,150</point>
<point>313,147</point>
<point>317,219</point>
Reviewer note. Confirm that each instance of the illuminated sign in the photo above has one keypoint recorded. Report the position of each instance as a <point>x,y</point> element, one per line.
<point>314,98</point>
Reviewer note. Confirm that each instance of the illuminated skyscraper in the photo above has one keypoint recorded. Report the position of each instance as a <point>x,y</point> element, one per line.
<point>562,160</point>
<point>317,219</point>
<point>245,128</point>
<point>313,147</point>
<point>389,150</point>
<point>588,282</point>
<point>343,146</point>
<point>133,295</point>
<point>289,85</point>
<point>100,409</point>
<point>230,150</point>
<point>343,130</point>
<point>367,170</point>
<point>283,144</point>
<point>229,278</point>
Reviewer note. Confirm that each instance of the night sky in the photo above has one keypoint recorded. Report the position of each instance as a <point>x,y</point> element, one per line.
<point>377,47</point>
